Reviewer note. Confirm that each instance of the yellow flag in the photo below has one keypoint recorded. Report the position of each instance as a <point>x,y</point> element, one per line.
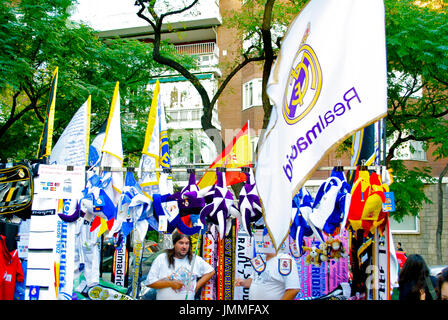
<point>46,139</point>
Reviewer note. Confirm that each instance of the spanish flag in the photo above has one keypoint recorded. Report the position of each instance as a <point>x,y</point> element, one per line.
<point>46,139</point>
<point>236,155</point>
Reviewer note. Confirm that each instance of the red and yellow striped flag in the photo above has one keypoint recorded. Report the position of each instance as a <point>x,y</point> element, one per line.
<point>236,155</point>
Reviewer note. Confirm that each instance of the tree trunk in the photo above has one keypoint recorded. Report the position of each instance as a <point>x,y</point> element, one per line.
<point>269,59</point>
<point>440,216</point>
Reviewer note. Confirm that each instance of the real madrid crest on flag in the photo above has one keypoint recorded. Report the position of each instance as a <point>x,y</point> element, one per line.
<point>258,264</point>
<point>284,266</point>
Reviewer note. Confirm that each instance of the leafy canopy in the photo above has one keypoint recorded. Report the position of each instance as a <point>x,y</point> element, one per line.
<point>38,36</point>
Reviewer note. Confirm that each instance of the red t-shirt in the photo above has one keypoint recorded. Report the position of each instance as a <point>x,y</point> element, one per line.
<point>10,271</point>
<point>401,257</point>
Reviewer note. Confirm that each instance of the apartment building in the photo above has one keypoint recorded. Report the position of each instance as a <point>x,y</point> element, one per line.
<point>204,36</point>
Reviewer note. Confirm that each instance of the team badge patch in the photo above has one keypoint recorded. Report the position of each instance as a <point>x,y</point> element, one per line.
<point>284,266</point>
<point>258,264</point>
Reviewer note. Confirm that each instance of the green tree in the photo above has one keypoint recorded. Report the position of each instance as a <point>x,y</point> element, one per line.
<point>37,36</point>
<point>417,37</point>
<point>417,54</point>
<point>148,12</point>
<point>261,25</point>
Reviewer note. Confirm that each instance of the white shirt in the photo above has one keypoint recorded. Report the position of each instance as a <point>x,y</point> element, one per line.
<point>270,284</point>
<point>181,271</point>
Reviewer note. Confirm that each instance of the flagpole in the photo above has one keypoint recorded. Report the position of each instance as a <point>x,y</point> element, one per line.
<point>200,233</point>
<point>186,168</point>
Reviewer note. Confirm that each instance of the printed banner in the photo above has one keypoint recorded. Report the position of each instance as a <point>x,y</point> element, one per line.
<point>328,81</point>
<point>41,250</point>
<point>229,263</point>
<point>120,265</point>
<point>243,268</point>
<point>209,254</point>
<point>220,271</point>
<point>320,280</point>
<point>51,244</point>
<point>138,255</point>
<point>385,265</point>
<point>72,147</point>
<point>64,253</point>
<point>60,182</point>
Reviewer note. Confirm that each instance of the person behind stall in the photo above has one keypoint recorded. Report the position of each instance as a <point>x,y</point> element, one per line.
<point>401,255</point>
<point>275,279</point>
<point>442,285</point>
<point>415,282</point>
<point>176,274</point>
<point>11,271</point>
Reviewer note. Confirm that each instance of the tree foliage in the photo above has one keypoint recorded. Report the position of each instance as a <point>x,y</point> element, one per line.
<point>417,37</point>
<point>38,36</point>
<point>151,13</point>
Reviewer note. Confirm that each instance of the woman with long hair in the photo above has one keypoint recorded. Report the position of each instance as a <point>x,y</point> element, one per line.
<point>415,282</point>
<point>442,285</point>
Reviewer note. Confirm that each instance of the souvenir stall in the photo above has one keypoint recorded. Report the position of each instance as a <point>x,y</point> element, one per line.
<point>83,221</point>
<point>339,238</point>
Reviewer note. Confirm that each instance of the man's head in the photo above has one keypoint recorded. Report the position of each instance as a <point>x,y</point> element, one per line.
<point>181,244</point>
<point>181,248</point>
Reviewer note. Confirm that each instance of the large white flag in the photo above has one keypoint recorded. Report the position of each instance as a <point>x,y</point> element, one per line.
<point>155,153</point>
<point>328,82</point>
<point>72,147</point>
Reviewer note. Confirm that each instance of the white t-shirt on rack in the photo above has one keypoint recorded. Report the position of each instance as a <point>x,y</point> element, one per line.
<point>270,284</point>
<point>181,271</point>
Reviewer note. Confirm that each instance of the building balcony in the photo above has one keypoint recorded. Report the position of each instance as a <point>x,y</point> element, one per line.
<point>112,18</point>
<point>187,118</point>
<point>207,54</point>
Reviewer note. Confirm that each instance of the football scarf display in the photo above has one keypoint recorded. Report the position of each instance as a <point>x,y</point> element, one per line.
<point>300,228</point>
<point>226,264</point>
<point>167,205</point>
<point>330,207</point>
<point>209,254</point>
<point>133,209</point>
<point>188,198</point>
<point>316,231</point>
<point>244,252</point>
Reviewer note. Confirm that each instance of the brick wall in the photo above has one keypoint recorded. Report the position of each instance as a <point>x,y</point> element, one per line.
<point>424,242</point>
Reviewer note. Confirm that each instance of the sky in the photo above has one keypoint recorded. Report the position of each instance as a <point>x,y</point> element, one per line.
<point>104,15</point>
<point>107,14</point>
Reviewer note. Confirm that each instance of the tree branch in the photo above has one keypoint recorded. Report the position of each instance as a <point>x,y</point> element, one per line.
<point>269,59</point>
<point>206,119</point>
